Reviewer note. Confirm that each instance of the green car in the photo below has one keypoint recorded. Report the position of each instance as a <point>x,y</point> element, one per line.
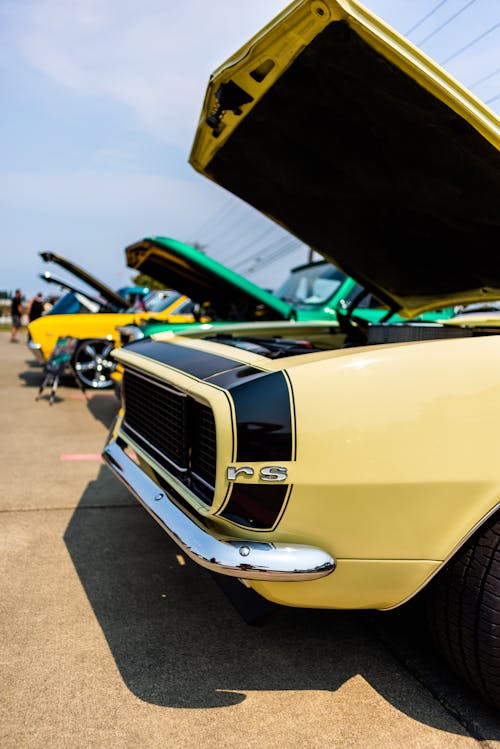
<point>316,291</point>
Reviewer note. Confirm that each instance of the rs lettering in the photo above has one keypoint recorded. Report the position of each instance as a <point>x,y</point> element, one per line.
<point>233,473</point>
<point>273,473</point>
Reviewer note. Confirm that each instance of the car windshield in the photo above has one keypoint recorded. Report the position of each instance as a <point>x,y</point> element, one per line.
<point>73,303</point>
<point>156,301</point>
<point>311,284</point>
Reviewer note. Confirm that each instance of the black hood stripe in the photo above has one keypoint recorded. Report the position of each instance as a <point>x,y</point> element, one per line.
<point>197,363</point>
<point>263,419</point>
<point>262,400</point>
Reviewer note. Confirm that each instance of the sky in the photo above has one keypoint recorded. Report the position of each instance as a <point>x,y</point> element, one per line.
<point>100,103</point>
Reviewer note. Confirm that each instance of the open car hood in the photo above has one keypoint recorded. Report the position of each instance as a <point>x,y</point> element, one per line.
<point>105,291</point>
<point>340,130</point>
<point>50,278</point>
<point>228,296</point>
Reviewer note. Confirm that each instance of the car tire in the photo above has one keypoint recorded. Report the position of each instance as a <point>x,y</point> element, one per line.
<point>92,363</point>
<point>463,609</point>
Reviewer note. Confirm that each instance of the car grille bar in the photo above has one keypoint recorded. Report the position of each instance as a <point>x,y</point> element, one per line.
<point>176,430</point>
<point>203,447</point>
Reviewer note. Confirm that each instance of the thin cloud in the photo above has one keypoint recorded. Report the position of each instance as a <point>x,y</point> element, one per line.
<point>90,216</point>
<point>107,194</point>
<point>153,57</point>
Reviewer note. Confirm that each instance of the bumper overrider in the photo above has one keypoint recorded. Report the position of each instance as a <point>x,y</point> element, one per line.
<point>36,350</point>
<point>192,416</point>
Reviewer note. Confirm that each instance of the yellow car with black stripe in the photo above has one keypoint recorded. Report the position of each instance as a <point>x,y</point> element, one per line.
<point>342,468</point>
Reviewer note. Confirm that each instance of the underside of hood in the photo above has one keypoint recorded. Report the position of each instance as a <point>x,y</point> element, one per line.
<point>225,294</point>
<point>50,278</point>
<point>105,291</point>
<point>341,131</point>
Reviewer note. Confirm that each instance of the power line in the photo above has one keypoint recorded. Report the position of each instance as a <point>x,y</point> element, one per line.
<point>280,249</point>
<point>449,20</point>
<point>494,98</point>
<point>221,227</point>
<point>428,15</point>
<point>471,43</point>
<point>222,211</point>
<point>271,260</point>
<point>257,267</point>
<point>240,250</point>
<point>241,220</point>
<point>484,79</point>
<point>269,248</point>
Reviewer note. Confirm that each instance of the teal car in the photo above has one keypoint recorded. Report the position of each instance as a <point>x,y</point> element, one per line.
<point>316,291</point>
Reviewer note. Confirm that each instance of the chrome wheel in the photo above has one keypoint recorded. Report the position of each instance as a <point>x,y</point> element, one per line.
<point>92,363</point>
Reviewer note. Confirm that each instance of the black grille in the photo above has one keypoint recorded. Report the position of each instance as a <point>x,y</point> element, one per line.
<point>175,429</point>
<point>203,445</point>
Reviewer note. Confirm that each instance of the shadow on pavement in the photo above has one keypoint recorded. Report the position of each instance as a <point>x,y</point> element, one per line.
<point>33,377</point>
<point>103,406</point>
<point>178,642</point>
<point>33,364</point>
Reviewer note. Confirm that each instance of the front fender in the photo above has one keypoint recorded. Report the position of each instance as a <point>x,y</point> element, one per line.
<point>397,446</point>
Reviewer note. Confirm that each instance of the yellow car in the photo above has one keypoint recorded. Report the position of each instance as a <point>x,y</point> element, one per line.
<point>350,468</point>
<point>97,331</point>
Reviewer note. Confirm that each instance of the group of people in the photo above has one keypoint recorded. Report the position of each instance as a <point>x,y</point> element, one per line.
<point>33,310</point>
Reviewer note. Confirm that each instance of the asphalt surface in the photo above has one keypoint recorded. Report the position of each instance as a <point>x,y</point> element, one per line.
<point>110,638</point>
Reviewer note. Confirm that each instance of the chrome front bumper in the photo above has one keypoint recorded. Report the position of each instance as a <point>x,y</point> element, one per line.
<point>36,350</point>
<point>252,560</point>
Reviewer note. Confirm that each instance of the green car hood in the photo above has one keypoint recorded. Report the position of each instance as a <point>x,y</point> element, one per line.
<point>228,295</point>
<point>340,130</point>
<point>105,291</point>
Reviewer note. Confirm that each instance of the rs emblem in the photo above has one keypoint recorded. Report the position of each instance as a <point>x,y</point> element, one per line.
<point>266,473</point>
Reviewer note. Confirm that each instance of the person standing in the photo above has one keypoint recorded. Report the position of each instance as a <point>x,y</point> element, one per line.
<point>35,307</point>
<point>16,312</point>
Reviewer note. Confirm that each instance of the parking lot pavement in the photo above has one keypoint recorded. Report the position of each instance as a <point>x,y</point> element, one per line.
<point>110,638</point>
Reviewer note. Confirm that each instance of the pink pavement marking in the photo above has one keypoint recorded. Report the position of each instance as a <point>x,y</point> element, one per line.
<point>80,456</point>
